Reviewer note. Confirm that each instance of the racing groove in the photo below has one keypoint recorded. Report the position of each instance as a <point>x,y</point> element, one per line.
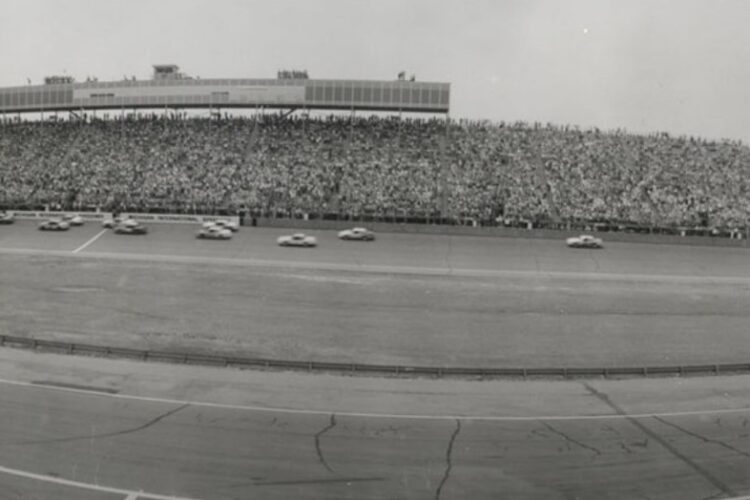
<point>405,299</point>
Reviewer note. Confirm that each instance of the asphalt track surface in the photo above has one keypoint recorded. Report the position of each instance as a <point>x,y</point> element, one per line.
<point>404,299</point>
<point>90,428</point>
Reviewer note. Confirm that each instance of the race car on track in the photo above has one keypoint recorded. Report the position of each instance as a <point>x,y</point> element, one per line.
<point>54,225</point>
<point>297,240</point>
<point>130,226</point>
<point>111,222</point>
<point>7,218</point>
<point>223,223</point>
<point>214,233</point>
<point>584,241</point>
<point>357,234</point>
<point>73,219</point>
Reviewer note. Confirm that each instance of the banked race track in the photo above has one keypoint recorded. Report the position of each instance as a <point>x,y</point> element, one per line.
<point>85,427</point>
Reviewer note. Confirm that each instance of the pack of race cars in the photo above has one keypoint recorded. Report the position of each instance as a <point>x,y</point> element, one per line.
<point>224,229</point>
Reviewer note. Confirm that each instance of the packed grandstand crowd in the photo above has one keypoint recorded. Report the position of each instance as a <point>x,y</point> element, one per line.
<point>377,166</point>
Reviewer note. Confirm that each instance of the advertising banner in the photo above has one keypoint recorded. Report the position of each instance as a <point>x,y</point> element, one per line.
<point>179,218</point>
<point>31,214</point>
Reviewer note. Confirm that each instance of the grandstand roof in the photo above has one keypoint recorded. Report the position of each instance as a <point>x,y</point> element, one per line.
<point>372,95</point>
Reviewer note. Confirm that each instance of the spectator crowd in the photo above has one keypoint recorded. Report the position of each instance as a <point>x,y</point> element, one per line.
<point>376,166</point>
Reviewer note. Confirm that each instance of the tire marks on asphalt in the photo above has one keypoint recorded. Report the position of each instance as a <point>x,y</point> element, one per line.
<point>707,475</point>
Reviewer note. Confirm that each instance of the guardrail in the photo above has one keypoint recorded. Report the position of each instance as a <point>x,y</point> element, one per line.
<point>401,370</point>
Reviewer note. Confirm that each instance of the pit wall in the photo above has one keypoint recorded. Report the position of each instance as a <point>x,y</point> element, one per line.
<point>501,232</point>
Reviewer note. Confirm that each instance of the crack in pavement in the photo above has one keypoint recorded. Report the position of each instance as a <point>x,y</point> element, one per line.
<point>716,482</point>
<point>702,438</point>
<point>327,428</point>
<point>621,442</point>
<point>569,439</point>
<point>448,460</point>
<point>92,437</point>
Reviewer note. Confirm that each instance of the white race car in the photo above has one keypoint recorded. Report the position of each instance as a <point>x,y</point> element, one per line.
<point>73,219</point>
<point>130,226</point>
<point>357,234</point>
<point>223,223</point>
<point>297,240</point>
<point>214,233</point>
<point>54,225</point>
<point>111,222</point>
<point>7,218</point>
<point>584,241</point>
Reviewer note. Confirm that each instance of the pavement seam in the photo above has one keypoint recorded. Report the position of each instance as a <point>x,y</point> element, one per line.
<point>701,437</point>
<point>708,476</point>
<point>69,439</point>
<point>570,439</point>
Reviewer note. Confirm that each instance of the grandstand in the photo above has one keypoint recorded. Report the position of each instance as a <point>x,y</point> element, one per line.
<point>171,89</point>
<point>349,166</point>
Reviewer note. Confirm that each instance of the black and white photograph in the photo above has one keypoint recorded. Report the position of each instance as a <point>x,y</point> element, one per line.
<point>374,249</point>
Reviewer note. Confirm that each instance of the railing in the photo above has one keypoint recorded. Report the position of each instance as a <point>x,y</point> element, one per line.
<point>380,369</point>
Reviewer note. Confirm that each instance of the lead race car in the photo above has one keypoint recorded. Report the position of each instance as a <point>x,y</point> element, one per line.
<point>7,217</point>
<point>584,241</point>
<point>54,225</point>
<point>357,234</point>
<point>130,226</point>
<point>297,240</point>
<point>213,232</point>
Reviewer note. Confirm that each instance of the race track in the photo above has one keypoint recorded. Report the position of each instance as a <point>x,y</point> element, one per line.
<point>90,428</point>
<point>404,299</point>
<point>80,427</point>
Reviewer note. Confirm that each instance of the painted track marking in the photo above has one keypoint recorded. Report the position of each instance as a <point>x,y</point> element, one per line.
<point>89,242</point>
<point>128,494</point>
<point>403,416</point>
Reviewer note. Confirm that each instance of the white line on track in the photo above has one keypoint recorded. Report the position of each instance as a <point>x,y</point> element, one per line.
<point>404,416</point>
<point>89,242</point>
<point>128,494</point>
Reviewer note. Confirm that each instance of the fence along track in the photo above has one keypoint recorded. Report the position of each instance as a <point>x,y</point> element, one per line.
<point>399,370</point>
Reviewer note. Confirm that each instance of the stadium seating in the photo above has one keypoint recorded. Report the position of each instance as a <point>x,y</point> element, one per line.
<point>515,173</point>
